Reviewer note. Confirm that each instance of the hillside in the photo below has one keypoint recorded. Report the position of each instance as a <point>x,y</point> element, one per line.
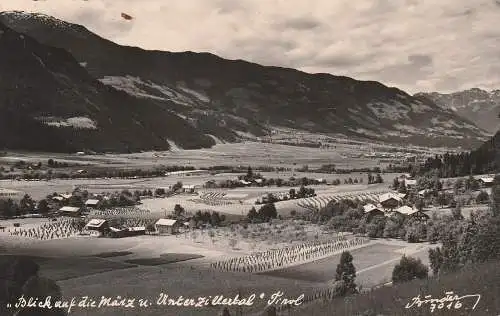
<point>49,102</point>
<point>483,279</point>
<point>481,107</point>
<point>235,99</point>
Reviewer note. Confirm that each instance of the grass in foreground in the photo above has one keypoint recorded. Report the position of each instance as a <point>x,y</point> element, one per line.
<point>483,279</point>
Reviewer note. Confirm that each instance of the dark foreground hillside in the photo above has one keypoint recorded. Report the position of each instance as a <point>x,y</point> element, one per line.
<point>483,279</point>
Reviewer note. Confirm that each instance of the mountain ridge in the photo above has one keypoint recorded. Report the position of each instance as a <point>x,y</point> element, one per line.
<point>62,107</point>
<point>481,106</point>
<point>230,98</point>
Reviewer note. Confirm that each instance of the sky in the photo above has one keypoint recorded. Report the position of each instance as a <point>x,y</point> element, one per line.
<point>415,45</point>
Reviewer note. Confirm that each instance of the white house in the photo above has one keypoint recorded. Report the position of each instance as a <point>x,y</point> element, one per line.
<point>188,188</point>
<point>486,181</point>
<point>167,226</point>
<point>92,203</point>
<point>96,224</point>
<point>410,183</point>
<point>70,211</point>
<point>389,200</point>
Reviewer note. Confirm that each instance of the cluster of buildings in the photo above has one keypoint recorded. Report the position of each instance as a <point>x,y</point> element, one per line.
<point>163,226</point>
<point>390,204</point>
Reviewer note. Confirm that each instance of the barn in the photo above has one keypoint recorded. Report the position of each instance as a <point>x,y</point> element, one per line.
<point>371,211</point>
<point>389,200</point>
<point>92,203</point>
<point>486,182</point>
<point>70,211</point>
<point>100,225</point>
<point>167,226</point>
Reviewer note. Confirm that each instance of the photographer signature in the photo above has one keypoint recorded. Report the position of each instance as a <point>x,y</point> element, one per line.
<point>449,301</point>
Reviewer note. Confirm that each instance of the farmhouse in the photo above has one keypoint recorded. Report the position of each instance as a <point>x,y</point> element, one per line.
<point>410,211</point>
<point>389,200</point>
<point>167,226</point>
<point>410,183</point>
<point>188,188</point>
<point>92,203</point>
<point>100,225</point>
<point>70,211</point>
<point>371,211</point>
<point>486,181</point>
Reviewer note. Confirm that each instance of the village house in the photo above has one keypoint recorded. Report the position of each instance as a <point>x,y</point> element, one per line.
<point>167,226</point>
<point>486,182</point>
<point>92,203</point>
<point>389,200</point>
<point>371,211</point>
<point>99,225</point>
<point>188,188</point>
<point>410,211</point>
<point>70,211</point>
<point>410,184</point>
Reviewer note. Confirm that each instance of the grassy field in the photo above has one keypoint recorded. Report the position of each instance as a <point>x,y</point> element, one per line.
<point>482,279</point>
<point>323,270</point>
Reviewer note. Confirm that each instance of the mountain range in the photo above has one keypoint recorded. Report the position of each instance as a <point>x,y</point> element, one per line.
<point>480,106</point>
<point>65,88</point>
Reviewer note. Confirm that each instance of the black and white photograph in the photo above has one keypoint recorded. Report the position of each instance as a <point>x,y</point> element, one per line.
<point>249,157</point>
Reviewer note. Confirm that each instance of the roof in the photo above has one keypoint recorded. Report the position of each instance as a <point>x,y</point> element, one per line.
<point>58,198</point>
<point>136,229</point>
<point>258,180</point>
<point>410,182</point>
<point>114,229</point>
<point>424,191</point>
<point>66,196</point>
<point>387,196</point>
<point>370,207</point>
<point>92,202</point>
<point>166,222</point>
<point>188,186</point>
<point>96,223</point>
<point>407,210</point>
<point>487,179</point>
<point>244,182</point>
<point>69,209</point>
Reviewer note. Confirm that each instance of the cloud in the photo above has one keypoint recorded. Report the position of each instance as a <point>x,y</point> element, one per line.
<point>416,45</point>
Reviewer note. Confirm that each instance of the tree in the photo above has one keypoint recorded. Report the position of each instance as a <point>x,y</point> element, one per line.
<point>395,184</point>
<point>249,173</point>
<point>252,214</point>
<point>267,212</point>
<point>495,199</point>
<point>379,179</point>
<point>225,311</point>
<point>160,192</point>
<point>233,242</point>
<point>436,259</point>
<point>408,269</point>
<point>482,197</point>
<point>292,193</point>
<point>375,228</point>
<point>346,272</point>
<point>178,210</point>
<point>26,204</point>
<point>43,207</point>
<point>457,212</point>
